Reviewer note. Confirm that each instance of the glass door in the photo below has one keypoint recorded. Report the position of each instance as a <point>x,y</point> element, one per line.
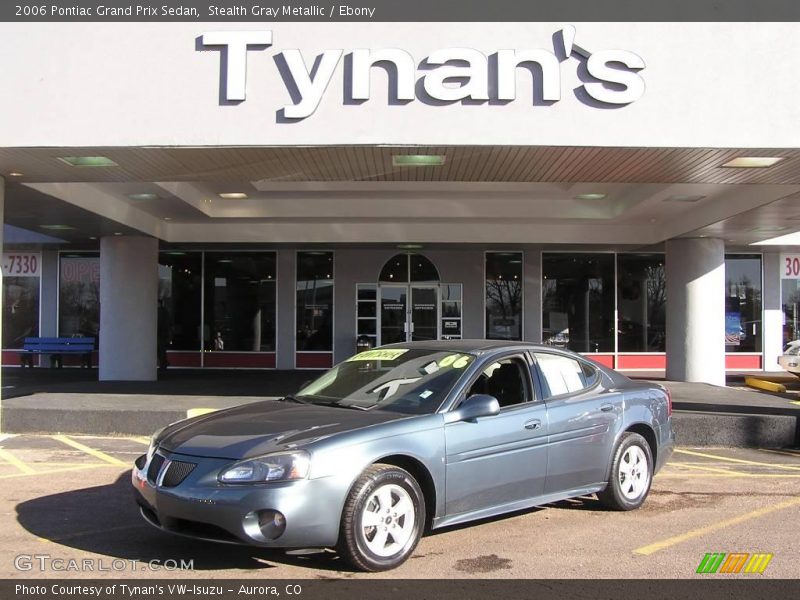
<point>394,314</point>
<point>424,313</point>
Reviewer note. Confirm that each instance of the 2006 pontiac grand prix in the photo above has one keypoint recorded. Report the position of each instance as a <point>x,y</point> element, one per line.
<point>405,438</point>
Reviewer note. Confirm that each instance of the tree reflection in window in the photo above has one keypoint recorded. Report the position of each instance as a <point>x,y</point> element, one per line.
<point>504,295</point>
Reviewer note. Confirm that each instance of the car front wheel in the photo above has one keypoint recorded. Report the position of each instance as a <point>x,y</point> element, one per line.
<point>383,519</point>
<point>631,474</point>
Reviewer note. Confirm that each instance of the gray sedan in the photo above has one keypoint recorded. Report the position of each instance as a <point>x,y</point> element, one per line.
<point>403,439</point>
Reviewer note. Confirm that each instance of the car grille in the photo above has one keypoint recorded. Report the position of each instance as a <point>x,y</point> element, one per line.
<point>155,466</point>
<point>176,472</point>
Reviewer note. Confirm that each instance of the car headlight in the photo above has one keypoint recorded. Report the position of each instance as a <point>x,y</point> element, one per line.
<point>281,466</point>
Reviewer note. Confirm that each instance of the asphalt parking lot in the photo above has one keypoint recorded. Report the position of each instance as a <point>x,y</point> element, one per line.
<point>65,502</point>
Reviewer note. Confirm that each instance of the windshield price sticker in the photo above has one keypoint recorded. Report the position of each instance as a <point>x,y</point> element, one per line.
<point>22,264</point>
<point>387,354</point>
<point>457,361</point>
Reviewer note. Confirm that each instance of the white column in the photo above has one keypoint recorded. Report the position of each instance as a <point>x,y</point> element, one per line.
<point>2,248</point>
<point>696,310</point>
<point>773,311</point>
<point>128,308</point>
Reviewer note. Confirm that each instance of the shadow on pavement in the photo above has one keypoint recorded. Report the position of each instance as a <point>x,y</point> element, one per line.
<point>105,520</point>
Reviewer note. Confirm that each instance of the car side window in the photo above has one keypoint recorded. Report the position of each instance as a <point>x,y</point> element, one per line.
<point>504,379</point>
<point>564,375</point>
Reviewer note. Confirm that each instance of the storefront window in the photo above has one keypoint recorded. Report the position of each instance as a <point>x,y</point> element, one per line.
<point>20,310</point>
<point>79,295</point>
<point>504,295</point>
<point>578,301</point>
<point>315,301</point>
<point>742,303</point>
<point>179,293</point>
<point>790,300</point>
<point>641,303</point>
<point>240,300</point>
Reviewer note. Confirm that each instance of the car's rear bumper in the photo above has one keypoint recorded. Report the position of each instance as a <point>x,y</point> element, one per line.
<point>200,507</point>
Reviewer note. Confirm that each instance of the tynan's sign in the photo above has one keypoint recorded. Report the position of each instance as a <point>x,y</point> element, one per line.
<point>446,75</point>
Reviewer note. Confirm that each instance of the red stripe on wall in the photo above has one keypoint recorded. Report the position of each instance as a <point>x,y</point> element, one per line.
<point>642,361</point>
<point>740,361</point>
<point>604,359</point>
<point>11,358</point>
<point>308,360</point>
<point>183,359</point>
<point>245,360</point>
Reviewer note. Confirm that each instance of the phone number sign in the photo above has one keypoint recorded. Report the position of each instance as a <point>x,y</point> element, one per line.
<point>790,266</point>
<point>22,264</point>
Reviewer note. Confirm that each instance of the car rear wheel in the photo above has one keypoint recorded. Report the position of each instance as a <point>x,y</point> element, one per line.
<point>383,519</point>
<point>631,474</point>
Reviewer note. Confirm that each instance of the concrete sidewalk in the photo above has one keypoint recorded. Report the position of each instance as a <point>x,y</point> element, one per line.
<point>73,401</point>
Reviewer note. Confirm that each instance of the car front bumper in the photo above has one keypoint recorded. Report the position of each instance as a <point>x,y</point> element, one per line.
<point>201,507</point>
<point>790,363</point>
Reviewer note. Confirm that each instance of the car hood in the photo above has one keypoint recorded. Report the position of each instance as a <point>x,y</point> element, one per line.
<point>262,427</point>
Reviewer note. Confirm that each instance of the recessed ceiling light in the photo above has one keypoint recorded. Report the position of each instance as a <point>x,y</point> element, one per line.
<point>225,260</point>
<point>753,162</point>
<point>590,196</point>
<point>168,218</point>
<point>176,253</point>
<point>683,198</point>
<point>117,233</point>
<point>769,228</point>
<point>233,195</point>
<point>143,196</point>
<point>57,227</point>
<point>418,160</point>
<point>15,174</point>
<point>409,246</point>
<point>88,161</point>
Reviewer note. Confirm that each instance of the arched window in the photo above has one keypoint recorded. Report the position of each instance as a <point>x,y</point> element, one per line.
<point>407,268</point>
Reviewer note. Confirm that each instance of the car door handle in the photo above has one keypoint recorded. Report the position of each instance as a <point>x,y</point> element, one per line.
<point>533,424</point>
<point>606,407</point>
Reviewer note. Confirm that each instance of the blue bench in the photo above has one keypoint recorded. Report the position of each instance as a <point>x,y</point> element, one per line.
<point>56,347</point>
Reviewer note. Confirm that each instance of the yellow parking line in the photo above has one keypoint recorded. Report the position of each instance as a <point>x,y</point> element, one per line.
<point>90,451</point>
<point>738,460</point>
<point>13,460</point>
<point>725,470</point>
<point>653,548</point>
<point>784,452</point>
<point>141,440</point>
<point>51,471</point>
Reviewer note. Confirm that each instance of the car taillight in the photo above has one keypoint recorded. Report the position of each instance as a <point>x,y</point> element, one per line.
<point>669,402</point>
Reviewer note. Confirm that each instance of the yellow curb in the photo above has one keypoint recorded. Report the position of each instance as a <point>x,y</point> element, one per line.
<point>196,412</point>
<point>762,384</point>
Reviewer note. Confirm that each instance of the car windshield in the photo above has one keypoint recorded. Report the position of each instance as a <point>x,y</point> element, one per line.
<point>413,381</point>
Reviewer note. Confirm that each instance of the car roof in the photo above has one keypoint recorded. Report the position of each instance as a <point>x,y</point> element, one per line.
<point>476,346</point>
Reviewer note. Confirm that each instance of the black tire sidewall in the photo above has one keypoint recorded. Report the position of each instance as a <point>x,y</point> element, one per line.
<point>402,479</point>
<point>630,439</point>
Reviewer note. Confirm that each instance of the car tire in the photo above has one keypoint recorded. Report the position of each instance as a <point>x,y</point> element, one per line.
<point>631,474</point>
<point>383,519</point>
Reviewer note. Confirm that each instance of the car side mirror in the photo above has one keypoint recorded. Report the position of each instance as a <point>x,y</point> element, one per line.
<point>478,405</point>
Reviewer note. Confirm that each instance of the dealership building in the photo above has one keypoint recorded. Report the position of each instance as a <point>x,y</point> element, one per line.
<point>266,195</point>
